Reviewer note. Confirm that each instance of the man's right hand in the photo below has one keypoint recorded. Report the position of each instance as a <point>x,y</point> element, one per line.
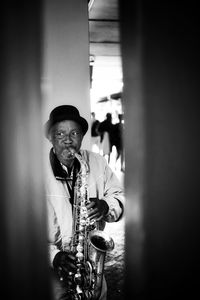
<point>64,264</point>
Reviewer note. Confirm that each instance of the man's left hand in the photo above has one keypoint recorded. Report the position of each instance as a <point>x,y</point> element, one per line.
<point>97,209</point>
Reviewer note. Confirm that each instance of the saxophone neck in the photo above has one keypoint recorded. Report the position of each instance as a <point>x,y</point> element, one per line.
<point>84,169</point>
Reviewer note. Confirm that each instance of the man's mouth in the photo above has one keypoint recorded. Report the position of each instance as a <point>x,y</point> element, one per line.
<point>68,153</point>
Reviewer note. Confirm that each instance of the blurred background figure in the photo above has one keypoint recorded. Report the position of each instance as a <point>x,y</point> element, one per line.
<point>118,142</point>
<point>95,137</point>
<point>105,130</point>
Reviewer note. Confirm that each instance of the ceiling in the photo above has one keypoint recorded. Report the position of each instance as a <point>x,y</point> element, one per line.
<point>104,28</point>
<point>104,45</point>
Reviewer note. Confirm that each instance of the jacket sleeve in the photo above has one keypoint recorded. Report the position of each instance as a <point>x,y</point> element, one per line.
<point>113,195</point>
<point>53,233</point>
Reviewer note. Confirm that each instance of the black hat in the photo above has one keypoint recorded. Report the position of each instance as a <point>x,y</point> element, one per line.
<point>65,112</point>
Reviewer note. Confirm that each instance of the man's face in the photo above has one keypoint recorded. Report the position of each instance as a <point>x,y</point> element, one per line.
<point>66,136</point>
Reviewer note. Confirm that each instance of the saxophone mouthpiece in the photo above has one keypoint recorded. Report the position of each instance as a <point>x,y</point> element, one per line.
<point>72,152</point>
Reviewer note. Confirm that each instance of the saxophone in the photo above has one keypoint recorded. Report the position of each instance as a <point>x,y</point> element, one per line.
<point>88,244</point>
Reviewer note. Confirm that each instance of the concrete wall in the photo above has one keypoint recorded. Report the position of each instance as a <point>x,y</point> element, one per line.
<point>66,78</point>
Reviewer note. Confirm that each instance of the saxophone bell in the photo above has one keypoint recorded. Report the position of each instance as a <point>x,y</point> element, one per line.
<point>101,241</point>
<point>99,244</point>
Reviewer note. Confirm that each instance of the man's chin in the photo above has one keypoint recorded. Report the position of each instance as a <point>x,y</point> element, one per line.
<point>66,160</point>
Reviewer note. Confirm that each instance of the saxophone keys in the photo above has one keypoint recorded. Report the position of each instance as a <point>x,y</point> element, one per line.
<point>78,281</point>
<point>81,238</point>
<point>80,255</point>
<point>81,228</point>
<point>87,222</point>
<point>79,248</point>
<point>83,211</point>
<point>82,222</point>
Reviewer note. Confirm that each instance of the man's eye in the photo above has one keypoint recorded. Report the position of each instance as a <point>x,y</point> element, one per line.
<point>75,133</point>
<point>59,134</point>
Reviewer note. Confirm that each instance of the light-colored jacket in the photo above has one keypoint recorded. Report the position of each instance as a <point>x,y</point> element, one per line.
<point>102,184</point>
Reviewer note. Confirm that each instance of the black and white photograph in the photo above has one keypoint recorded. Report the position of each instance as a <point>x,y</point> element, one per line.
<point>99,130</point>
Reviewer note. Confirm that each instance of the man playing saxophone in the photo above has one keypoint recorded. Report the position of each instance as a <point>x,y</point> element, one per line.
<point>100,187</point>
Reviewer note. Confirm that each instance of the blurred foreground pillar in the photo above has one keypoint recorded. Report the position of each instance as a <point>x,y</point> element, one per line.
<point>23,253</point>
<point>160,54</point>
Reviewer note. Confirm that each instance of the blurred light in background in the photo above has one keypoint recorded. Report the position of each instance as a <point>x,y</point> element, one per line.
<point>106,80</point>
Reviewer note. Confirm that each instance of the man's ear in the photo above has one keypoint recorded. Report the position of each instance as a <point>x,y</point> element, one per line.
<point>49,136</point>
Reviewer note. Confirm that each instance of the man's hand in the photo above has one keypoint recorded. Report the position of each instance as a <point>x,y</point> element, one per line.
<point>64,264</point>
<point>97,209</point>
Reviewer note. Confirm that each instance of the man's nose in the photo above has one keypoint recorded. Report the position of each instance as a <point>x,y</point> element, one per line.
<point>67,138</point>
